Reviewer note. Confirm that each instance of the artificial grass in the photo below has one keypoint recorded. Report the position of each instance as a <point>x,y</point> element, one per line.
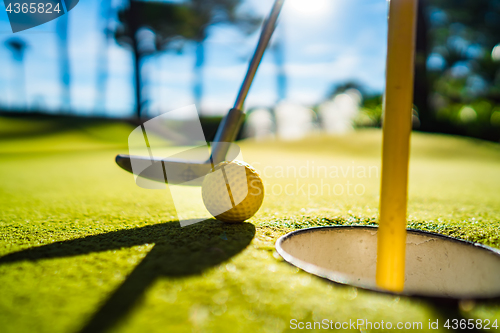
<point>82,248</point>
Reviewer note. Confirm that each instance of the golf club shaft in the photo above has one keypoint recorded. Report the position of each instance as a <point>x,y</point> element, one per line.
<point>231,123</point>
<point>265,36</point>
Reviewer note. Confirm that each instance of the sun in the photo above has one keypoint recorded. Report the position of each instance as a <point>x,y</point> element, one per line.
<point>309,7</point>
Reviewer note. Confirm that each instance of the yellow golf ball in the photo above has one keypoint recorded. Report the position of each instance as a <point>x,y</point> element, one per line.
<point>233,191</point>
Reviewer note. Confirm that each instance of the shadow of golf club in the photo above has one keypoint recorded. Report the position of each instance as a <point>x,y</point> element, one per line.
<point>177,252</point>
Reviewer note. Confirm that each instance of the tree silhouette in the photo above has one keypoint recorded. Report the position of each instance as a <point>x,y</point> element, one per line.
<point>420,80</point>
<point>279,61</point>
<point>149,27</point>
<point>105,15</point>
<point>64,66</point>
<point>17,46</point>
<point>455,67</point>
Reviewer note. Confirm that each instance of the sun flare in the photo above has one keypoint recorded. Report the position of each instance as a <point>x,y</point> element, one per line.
<point>309,7</point>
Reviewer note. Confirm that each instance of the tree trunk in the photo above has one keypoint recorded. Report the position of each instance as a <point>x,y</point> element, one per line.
<point>102,61</point>
<point>65,75</point>
<point>198,74</point>
<point>137,80</point>
<point>279,61</point>
<point>134,15</point>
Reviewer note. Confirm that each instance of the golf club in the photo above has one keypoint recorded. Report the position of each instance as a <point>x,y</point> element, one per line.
<point>181,171</point>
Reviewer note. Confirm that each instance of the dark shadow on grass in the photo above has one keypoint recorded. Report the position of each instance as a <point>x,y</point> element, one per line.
<point>450,310</point>
<point>177,252</point>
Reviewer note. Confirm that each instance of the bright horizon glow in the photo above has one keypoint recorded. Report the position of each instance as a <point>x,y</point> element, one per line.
<point>309,7</point>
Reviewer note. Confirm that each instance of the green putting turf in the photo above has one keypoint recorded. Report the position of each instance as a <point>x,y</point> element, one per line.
<point>83,248</point>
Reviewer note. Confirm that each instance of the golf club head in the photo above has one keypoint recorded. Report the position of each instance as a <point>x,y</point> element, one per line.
<point>185,168</point>
<point>180,172</point>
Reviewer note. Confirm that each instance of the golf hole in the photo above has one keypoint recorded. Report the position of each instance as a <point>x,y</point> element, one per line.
<point>436,265</point>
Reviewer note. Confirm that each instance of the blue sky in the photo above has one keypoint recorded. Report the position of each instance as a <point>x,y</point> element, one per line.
<point>326,42</point>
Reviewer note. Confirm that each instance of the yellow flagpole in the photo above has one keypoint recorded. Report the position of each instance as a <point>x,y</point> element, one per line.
<point>398,102</point>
